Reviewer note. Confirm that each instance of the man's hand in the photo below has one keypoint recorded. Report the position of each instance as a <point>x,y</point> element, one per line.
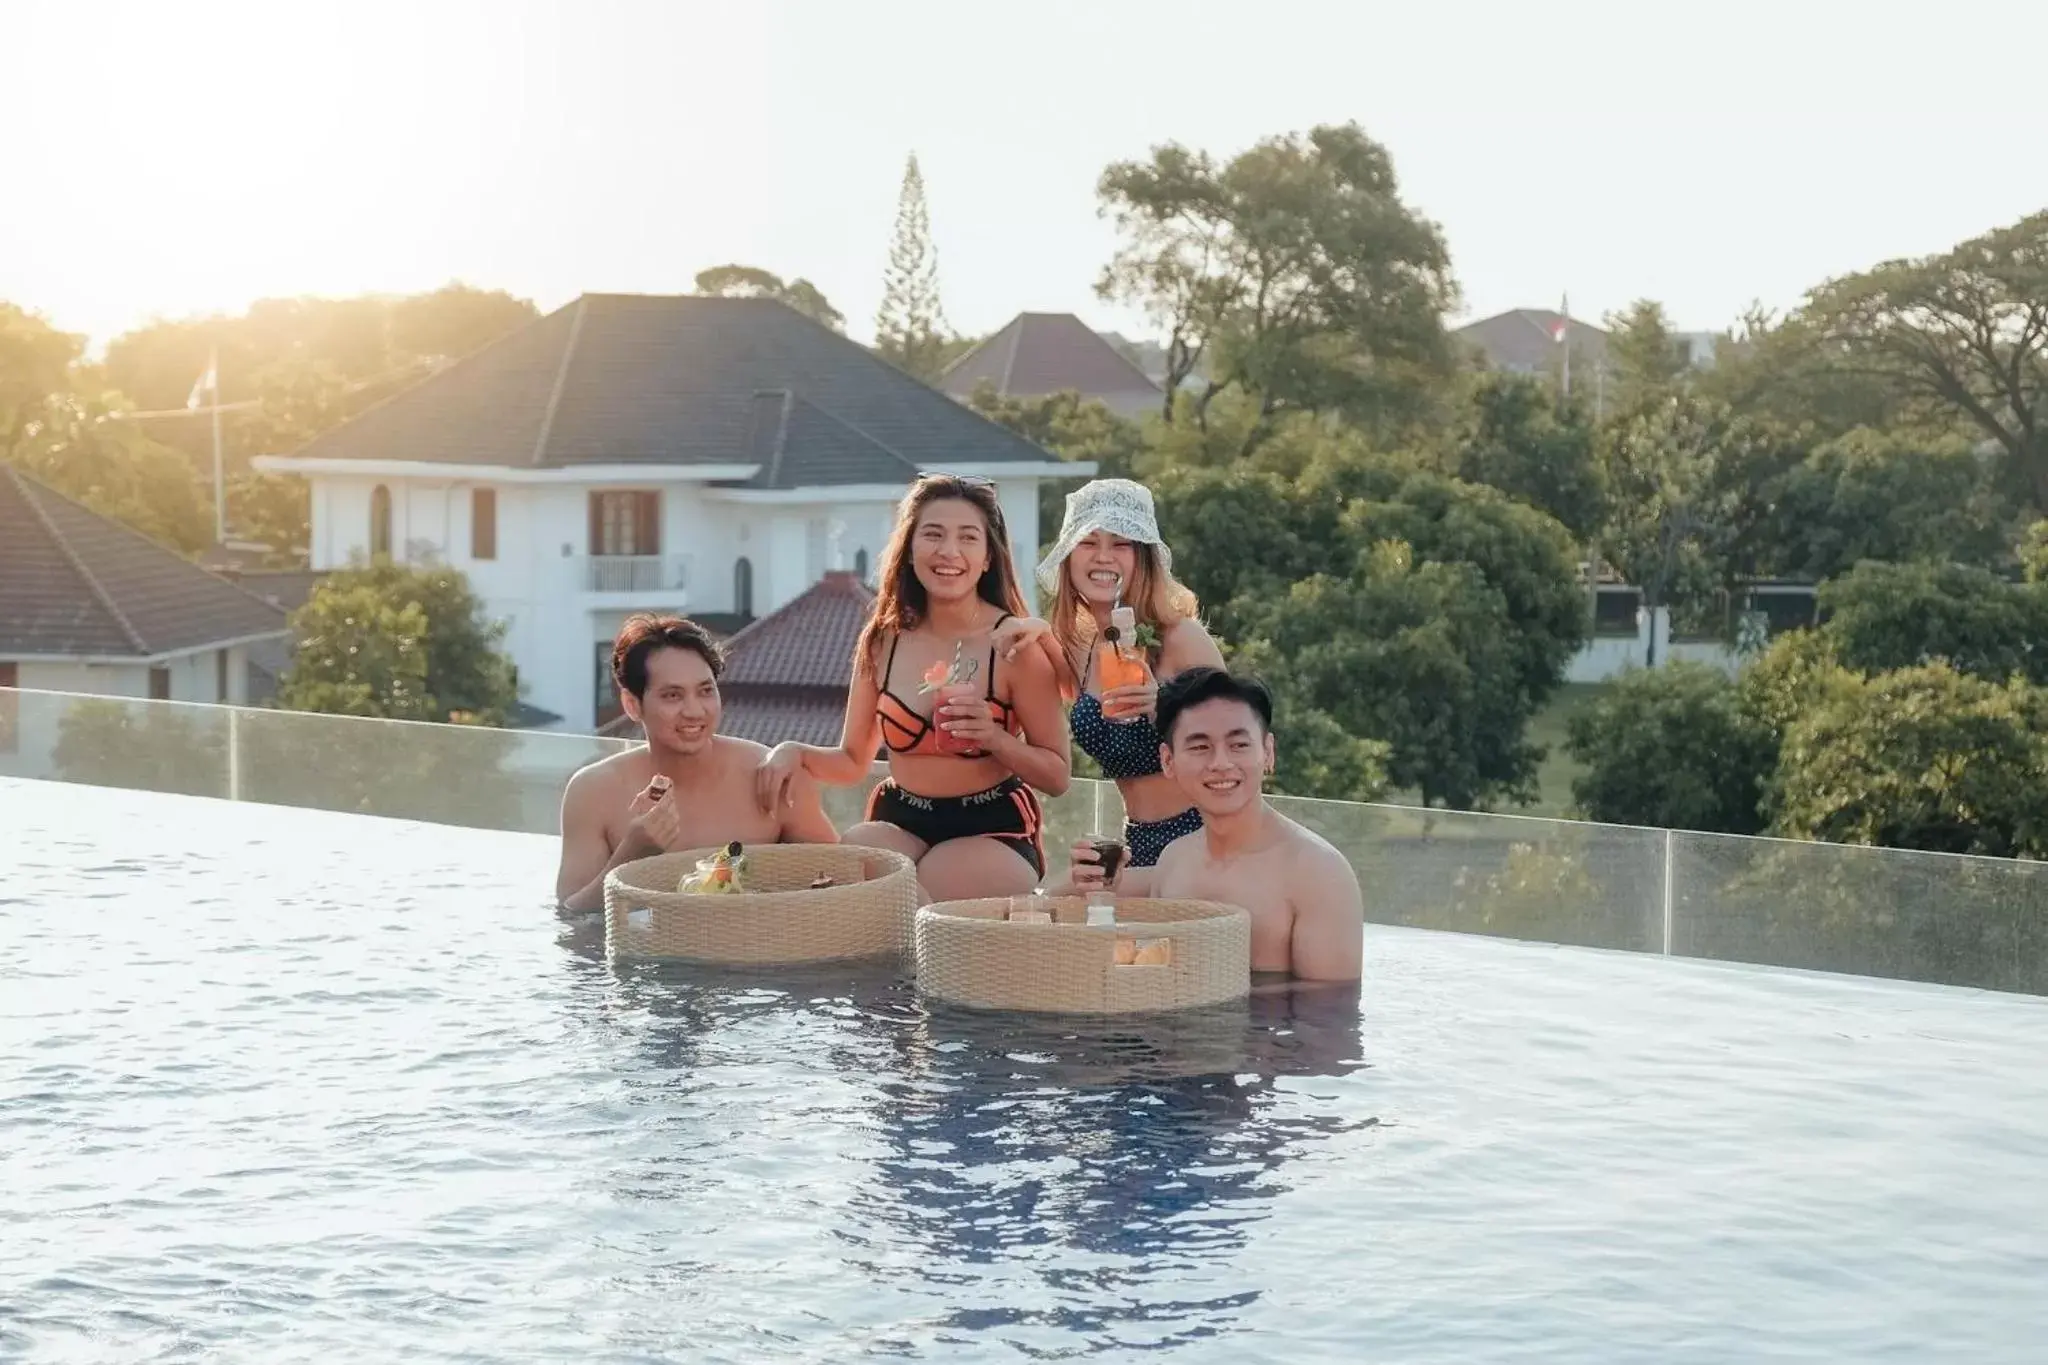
<point>657,824</point>
<point>1085,874</point>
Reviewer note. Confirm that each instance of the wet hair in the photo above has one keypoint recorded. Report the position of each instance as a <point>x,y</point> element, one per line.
<point>1194,686</point>
<point>644,633</point>
<point>901,602</point>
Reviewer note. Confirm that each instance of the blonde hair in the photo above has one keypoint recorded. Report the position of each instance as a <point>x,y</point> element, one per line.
<point>1154,595</point>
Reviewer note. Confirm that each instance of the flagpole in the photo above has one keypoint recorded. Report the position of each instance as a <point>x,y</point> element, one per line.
<point>220,496</point>
<point>1564,336</point>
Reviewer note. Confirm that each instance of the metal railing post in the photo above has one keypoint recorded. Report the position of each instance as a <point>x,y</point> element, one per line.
<point>234,753</point>
<point>1670,839</point>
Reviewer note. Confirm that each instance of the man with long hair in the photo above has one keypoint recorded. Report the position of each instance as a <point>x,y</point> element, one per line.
<point>970,738</point>
<point>688,786</point>
<point>1307,910</point>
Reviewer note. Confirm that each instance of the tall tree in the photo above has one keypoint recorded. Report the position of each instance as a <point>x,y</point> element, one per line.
<point>1294,272</point>
<point>1516,436</point>
<point>910,327</point>
<point>1645,358</point>
<point>1672,512</point>
<point>60,421</point>
<point>1967,329</point>
<point>752,282</point>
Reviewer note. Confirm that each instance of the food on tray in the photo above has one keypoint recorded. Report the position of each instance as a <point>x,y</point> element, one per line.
<point>1144,952</point>
<point>719,874</point>
<point>823,880</point>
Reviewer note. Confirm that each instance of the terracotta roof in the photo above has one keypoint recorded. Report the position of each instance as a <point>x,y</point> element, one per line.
<point>1045,353</point>
<point>75,583</point>
<point>786,674</point>
<point>686,380</point>
<point>1524,340</point>
<point>808,642</point>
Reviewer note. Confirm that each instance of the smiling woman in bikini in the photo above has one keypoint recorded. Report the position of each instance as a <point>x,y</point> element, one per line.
<point>1109,549</point>
<point>968,735</point>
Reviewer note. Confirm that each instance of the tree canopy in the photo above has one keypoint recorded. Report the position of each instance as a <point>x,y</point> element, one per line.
<point>1293,272</point>
<point>752,282</point>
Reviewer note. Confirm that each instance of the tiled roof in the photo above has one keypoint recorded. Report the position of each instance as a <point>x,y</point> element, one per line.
<point>807,715</point>
<point>1525,339</point>
<point>74,583</point>
<point>1044,353</point>
<point>639,379</point>
<point>786,674</point>
<point>808,642</point>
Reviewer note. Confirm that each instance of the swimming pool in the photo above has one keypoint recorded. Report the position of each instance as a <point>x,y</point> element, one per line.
<point>285,1085</point>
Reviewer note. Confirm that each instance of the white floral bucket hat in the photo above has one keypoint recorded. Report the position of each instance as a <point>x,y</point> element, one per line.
<point>1118,506</point>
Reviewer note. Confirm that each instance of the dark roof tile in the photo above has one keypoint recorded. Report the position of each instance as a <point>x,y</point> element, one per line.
<point>74,583</point>
<point>637,379</point>
<point>1045,353</point>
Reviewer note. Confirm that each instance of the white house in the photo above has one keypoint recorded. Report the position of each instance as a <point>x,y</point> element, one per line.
<point>90,605</point>
<point>629,453</point>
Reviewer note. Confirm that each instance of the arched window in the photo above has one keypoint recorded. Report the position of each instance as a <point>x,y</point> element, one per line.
<point>743,586</point>
<point>860,564</point>
<point>380,521</point>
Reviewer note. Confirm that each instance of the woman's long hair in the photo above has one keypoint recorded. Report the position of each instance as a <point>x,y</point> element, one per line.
<point>900,600</point>
<point>1154,595</point>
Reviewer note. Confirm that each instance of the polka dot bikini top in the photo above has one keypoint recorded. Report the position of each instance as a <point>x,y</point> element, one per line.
<point>1125,749</point>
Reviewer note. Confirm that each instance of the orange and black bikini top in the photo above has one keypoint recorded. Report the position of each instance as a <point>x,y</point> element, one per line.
<point>906,730</point>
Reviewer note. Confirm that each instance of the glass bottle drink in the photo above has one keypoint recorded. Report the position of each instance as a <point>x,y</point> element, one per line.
<point>959,685</point>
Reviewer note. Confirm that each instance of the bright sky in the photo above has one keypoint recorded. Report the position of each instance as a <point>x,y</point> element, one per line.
<point>166,159</point>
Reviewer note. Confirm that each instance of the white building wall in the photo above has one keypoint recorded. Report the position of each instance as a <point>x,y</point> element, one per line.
<point>538,584</point>
<point>100,680</point>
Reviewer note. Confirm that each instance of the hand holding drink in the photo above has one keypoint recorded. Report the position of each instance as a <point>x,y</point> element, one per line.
<point>1120,663</point>
<point>954,686</point>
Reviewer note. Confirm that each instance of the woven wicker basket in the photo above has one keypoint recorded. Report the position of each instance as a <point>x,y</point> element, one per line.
<point>970,953</point>
<point>779,920</point>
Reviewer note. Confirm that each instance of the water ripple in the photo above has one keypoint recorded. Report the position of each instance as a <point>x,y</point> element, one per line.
<point>264,1097</point>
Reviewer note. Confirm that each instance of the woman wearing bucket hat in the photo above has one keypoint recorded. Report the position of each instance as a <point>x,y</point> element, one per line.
<point>1109,555</point>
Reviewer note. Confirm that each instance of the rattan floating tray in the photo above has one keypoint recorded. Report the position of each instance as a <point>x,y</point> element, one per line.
<point>972,953</point>
<point>778,919</point>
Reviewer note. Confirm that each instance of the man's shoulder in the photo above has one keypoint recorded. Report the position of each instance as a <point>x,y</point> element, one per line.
<point>609,770</point>
<point>736,755</point>
<point>1314,854</point>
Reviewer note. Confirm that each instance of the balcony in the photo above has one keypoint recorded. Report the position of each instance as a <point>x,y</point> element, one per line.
<point>667,576</point>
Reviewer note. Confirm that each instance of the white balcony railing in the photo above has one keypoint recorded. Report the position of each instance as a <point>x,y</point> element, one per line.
<point>636,573</point>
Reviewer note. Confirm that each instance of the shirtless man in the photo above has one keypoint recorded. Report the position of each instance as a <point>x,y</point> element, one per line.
<point>688,786</point>
<point>1216,741</point>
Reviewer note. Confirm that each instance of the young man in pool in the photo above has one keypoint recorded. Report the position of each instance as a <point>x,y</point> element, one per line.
<point>688,786</point>
<point>1216,741</point>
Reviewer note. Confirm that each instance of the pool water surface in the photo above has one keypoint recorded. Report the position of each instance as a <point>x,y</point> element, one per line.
<point>282,1085</point>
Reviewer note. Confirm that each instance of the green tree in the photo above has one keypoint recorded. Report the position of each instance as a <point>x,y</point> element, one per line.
<point>2033,552</point>
<point>60,422</point>
<point>910,327</point>
<point>1418,655</point>
<point>1516,436</point>
<point>1881,496</point>
<point>1891,616</point>
<point>1783,370</point>
<point>1294,273</point>
<point>1671,747</point>
<point>1966,330</point>
<point>752,282</point>
<point>291,369</point>
<point>384,639</point>
<point>1924,758</point>
<point>1646,364</point>
<point>1071,427</point>
<point>1687,485</point>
